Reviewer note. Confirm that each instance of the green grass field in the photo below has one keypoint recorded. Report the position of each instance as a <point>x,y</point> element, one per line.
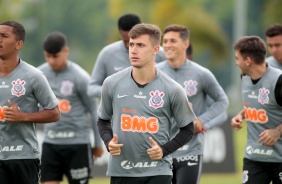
<point>232,178</point>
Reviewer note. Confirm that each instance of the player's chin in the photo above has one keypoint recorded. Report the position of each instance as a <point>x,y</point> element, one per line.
<point>136,65</point>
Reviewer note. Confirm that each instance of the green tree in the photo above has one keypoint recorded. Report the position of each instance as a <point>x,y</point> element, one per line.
<point>209,39</point>
<point>86,24</point>
<point>10,9</point>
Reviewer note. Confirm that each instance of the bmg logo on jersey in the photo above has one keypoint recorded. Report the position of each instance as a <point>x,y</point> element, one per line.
<point>139,124</point>
<point>256,115</point>
<point>18,88</point>
<point>156,99</point>
<point>126,164</point>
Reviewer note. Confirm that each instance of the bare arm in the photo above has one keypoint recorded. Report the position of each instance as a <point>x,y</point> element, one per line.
<point>270,136</point>
<point>13,114</point>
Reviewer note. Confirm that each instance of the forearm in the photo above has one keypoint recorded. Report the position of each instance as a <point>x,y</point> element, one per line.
<point>94,91</point>
<point>279,128</point>
<point>218,120</point>
<point>43,116</point>
<point>184,135</point>
<point>105,130</point>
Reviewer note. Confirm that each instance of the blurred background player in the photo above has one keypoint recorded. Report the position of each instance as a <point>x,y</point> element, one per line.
<point>262,99</point>
<point>141,101</point>
<point>66,147</point>
<point>198,83</point>
<point>222,117</point>
<point>274,41</point>
<point>23,87</point>
<point>114,57</point>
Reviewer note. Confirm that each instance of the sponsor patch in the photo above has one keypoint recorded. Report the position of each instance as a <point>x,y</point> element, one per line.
<point>3,85</point>
<point>126,164</point>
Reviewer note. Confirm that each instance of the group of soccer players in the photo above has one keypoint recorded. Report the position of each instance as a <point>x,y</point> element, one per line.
<point>153,132</point>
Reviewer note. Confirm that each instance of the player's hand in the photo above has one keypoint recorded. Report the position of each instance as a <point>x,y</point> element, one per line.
<point>156,152</point>
<point>114,147</point>
<point>97,152</point>
<point>269,137</point>
<point>236,122</point>
<point>198,126</point>
<point>12,113</point>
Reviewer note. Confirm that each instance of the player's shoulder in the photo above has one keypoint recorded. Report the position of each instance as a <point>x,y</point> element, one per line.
<point>113,47</point>
<point>167,81</point>
<point>270,59</point>
<point>76,69</point>
<point>161,64</point>
<point>197,65</point>
<point>43,67</point>
<point>29,69</point>
<point>116,77</point>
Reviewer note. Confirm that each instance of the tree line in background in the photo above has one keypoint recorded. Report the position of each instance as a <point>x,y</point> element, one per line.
<point>90,25</point>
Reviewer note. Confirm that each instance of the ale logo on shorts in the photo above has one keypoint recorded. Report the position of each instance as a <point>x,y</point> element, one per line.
<point>190,87</point>
<point>18,88</point>
<point>263,96</point>
<point>156,99</point>
<point>67,88</point>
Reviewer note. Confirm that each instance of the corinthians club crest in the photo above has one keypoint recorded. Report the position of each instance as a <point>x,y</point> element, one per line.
<point>66,88</point>
<point>263,96</point>
<point>190,87</point>
<point>156,99</point>
<point>18,88</point>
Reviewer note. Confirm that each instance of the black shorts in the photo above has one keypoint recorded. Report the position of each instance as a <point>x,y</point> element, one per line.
<point>23,171</point>
<point>160,179</point>
<point>187,169</point>
<point>73,161</point>
<point>261,172</point>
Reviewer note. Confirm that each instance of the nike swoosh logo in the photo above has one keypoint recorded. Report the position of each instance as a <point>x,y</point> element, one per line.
<point>245,91</point>
<point>118,68</point>
<point>121,96</point>
<point>191,163</point>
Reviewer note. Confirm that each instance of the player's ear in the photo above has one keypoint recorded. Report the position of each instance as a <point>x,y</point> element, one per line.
<point>186,43</point>
<point>156,49</point>
<point>19,44</point>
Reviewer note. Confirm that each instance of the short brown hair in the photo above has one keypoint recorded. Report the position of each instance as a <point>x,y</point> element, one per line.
<point>18,29</point>
<point>152,30</point>
<point>182,30</point>
<point>253,47</point>
<point>274,30</point>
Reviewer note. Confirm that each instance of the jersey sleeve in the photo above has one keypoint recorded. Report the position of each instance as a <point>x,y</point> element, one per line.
<point>98,75</point>
<point>105,110</point>
<point>220,101</point>
<point>91,105</point>
<point>43,92</point>
<point>182,112</point>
